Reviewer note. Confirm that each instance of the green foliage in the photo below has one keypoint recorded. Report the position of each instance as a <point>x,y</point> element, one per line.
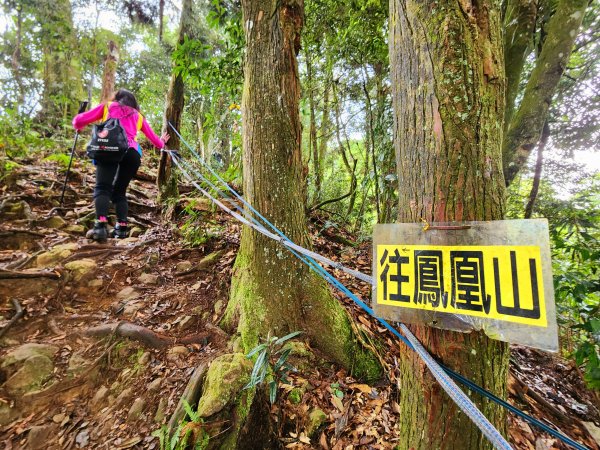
<point>20,136</point>
<point>186,429</point>
<point>197,229</point>
<point>271,363</point>
<point>335,388</point>
<point>211,66</point>
<point>61,158</point>
<point>575,239</point>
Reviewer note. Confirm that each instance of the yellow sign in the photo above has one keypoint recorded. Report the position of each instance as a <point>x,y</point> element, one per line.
<point>493,282</point>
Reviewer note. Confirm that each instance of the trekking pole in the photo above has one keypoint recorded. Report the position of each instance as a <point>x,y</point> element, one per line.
<point>82,108</point>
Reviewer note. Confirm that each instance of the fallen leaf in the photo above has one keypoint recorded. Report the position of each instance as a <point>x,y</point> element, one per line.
<point>337,403</point>
<point>364,388</point>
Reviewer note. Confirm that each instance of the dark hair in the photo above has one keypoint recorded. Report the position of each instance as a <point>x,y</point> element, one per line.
<point>126,98</point>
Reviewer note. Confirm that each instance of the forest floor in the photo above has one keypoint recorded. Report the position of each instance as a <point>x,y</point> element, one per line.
<point>70,379</point>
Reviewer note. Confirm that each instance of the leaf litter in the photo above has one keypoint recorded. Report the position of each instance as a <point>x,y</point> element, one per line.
<point>183,305</point>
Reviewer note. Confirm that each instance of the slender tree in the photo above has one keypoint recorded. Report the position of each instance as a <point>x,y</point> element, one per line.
<point>166,180</point>
<point>447,79</point>
<point>110,71</point>
<point>61,78</point>
<point>16,58</point>
<point>537,173</point>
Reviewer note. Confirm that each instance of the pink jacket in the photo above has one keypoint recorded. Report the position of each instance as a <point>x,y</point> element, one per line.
<point>128,118</point>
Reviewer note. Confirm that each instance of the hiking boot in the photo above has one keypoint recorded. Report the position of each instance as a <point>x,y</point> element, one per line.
<point>120,231</point>
<point>99,233</point>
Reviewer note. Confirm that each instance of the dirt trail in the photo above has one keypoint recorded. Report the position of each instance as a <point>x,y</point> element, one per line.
<point>73,389</point>
<point>112,333</point>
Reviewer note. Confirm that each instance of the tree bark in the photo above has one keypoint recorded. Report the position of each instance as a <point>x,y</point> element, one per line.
<point>537,176</point>
<point>110,71</point>
<point>272,292</point>
<point>313,131</point>
<point>447,78</point>
<point>166,180</point>
<point>519,29</point>
<point>61,78</point>
<point>525,128</point>
<point>16,59</point>
<point>161,19</point>
<point>325,126</point>
<point>371,135</point>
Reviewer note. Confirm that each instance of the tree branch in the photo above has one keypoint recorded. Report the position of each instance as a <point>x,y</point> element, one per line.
<point>523,132</point>
<point>538,172</point>
<point>333,200</point>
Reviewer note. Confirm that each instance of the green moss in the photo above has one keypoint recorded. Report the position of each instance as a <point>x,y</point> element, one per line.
<point>295,395</point>
<point>316,419</point>
<point>226,376</point>
<point>241,412</point>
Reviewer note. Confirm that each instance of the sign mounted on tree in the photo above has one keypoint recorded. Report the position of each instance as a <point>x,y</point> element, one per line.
<point>491,276</point>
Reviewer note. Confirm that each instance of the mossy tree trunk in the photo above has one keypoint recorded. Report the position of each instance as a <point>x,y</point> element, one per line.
<point>110,71</point>
<point>166,179</point>
<point>519,29</point>
<point>448,84</point>
<point>525,128</point>
<point>273,292</point>
<point>61,76</point>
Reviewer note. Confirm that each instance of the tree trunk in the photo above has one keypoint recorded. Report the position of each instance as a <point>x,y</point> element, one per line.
<point>161,18</point>
<point>519,29</point>
<point>16,60</point>
<point>166,179</point>
<point>447,79</point>
<point>351,168</point>
<point>371,135</point>
<point>313,131</point>
<point>272,292</point>
<point>61,78</point>
<point>110,71</point>
<point>525,128</point>
<point>325,128</point>
<point>537,175</point>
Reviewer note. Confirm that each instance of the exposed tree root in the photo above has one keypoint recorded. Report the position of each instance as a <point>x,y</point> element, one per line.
<point>136,332</point>
<point>12,275</point>
<point>19,312</point>
<point>11,231</point>
<point>191,395</point>
<point>148,337</point>
<point>204,264</point>
<point>23,262</point>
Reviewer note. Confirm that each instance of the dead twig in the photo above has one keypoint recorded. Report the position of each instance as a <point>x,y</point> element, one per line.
<point>19,312</point>
<point>91,254</point>
<point>53,326</point>
<point>177,253</point>
<point>540,400</point>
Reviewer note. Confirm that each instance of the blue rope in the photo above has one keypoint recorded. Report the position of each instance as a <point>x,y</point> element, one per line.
<point>335,282</point>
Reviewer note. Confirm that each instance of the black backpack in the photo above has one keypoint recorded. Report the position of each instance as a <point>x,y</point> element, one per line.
<point>109,141</point>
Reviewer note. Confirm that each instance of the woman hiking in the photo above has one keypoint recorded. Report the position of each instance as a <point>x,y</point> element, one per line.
<point>112,178</point>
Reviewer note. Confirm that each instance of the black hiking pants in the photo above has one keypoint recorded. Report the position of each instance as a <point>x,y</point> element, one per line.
<point>112,180</point>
